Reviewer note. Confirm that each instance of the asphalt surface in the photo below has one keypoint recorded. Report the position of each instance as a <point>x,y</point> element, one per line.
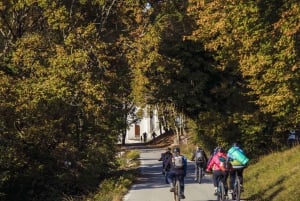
<point>151,185</point>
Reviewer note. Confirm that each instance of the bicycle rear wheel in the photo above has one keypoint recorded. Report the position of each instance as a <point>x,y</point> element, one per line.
<point>237,189</point>
<point>200,174</point>
<point>221,191</point>
<point>177,190</point>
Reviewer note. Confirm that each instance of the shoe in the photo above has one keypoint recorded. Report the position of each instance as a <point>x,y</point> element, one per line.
<point>172,189</point>
<point>215,191</point>
<point>182,196</point>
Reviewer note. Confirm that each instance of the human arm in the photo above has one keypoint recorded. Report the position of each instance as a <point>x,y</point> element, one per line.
<point>210,165</point>
<point>184,166</point>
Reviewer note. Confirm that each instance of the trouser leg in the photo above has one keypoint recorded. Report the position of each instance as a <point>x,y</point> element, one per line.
<point>181,179</point>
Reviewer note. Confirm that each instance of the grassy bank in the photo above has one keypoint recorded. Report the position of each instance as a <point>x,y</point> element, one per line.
<point>118,183</point>
<point>114,188</point>
<point>274,177</point>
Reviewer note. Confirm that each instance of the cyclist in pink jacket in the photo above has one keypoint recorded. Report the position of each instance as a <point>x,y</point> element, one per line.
<point>217,166</point>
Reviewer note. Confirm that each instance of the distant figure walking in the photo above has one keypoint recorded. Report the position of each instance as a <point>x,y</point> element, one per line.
<point>145,137</point>
<point>292,138</point>
<point>154,136</point>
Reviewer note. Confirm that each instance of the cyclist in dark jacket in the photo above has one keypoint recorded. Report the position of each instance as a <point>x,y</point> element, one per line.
<point>200,158</point>
<point>165,163</point>
<point>178,164</point>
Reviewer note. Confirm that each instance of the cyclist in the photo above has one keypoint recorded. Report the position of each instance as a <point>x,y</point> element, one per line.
<point>239,171</point>
<point>200,158</point>
<point>178,165</point>
<point>217,165</point>
<point>165,157</point>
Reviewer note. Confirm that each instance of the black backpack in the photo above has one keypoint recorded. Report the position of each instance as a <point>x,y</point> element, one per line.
<point>199,156</point>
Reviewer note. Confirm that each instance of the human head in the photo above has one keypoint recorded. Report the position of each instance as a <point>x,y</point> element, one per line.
<point>168,149</point>
<point>199,147</point>
<point>292,131</point>
<point>176,150</point>
<point>220,151</point>
<point>235,144</point>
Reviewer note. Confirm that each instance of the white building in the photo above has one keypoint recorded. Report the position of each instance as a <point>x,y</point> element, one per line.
<point>149,123</point>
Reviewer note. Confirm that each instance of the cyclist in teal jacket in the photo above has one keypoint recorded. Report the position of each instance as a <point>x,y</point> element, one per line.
<point>239,170</point>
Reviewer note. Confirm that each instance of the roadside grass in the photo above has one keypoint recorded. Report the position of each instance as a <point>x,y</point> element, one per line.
<point>117,185</point>
<point>275,177</point>
<point>115,188</point>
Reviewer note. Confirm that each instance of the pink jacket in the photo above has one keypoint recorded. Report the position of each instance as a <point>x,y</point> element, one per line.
<point>214,164</point>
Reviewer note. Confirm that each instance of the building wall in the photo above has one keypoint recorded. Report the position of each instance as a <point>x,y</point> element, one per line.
<point>148,124</point>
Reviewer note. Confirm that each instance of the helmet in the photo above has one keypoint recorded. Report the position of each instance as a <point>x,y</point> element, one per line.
<point>220,150</point>
<point>235,144</point>
<point>176,150</point>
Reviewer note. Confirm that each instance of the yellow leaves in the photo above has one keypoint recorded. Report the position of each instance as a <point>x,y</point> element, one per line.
<point>81,34</point>
<point>2,6</point>
<point>57,18</point>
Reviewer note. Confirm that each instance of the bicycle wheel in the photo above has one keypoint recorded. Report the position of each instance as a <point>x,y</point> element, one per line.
<point>237,189</point>
<point>177,190</point>
<point>200,170</point>
<point>221,191</point>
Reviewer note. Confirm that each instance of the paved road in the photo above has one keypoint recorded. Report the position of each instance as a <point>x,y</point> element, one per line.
<point>151,185</point>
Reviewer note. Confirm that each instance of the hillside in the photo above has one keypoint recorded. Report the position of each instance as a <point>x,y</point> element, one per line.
<point>274,177</point>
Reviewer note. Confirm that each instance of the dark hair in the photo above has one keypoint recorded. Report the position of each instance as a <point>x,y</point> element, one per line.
<point>176,149</point>
<point>221,149</point>
<point>235,144</point>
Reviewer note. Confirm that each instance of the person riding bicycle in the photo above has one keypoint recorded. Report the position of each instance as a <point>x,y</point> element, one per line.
<point>239,171</point>
<point>217,164</point>
<point>178,165</point>
<point>165,157</point>
<point>200,158</point>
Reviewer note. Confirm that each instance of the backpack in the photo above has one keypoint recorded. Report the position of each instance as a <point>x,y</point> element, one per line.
<point>225,164</point>
<point>199,156</point>
<point>178,161</point>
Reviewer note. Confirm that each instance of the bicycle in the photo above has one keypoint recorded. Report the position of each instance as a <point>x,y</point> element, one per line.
<point>236,194</point>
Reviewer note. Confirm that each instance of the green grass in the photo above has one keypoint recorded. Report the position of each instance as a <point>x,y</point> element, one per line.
<point>275,177</point>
